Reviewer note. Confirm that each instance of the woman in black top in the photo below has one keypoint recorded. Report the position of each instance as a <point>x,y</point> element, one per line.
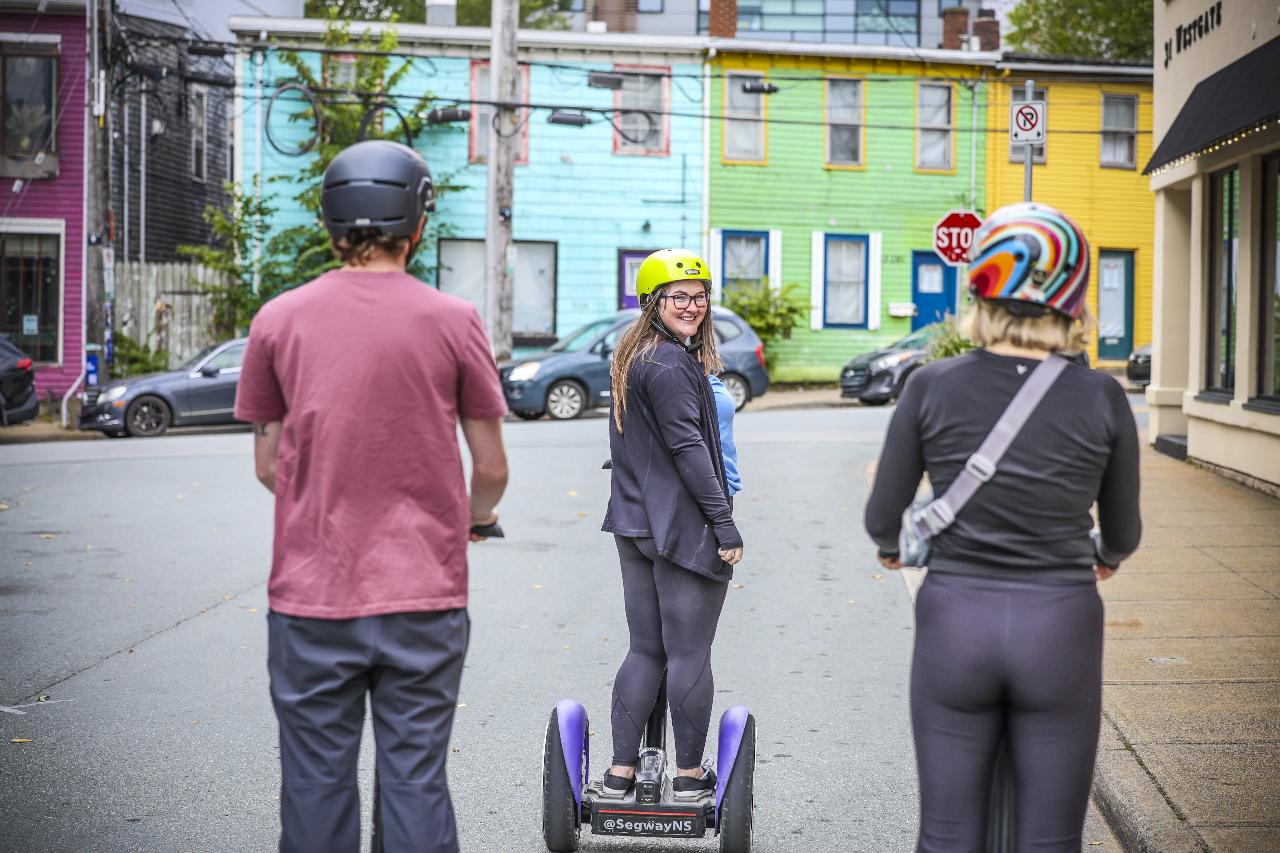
<point>1008,621</point>
<point>670,515</point>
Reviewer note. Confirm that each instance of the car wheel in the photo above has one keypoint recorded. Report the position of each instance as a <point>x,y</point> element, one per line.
<point>115,433</point>
<point>566,400</point>
<point>738,389</point>
<point>873,401</point>
<point>528,416</point>
<point>147,417</point>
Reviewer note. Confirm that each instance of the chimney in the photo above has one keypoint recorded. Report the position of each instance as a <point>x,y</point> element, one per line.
<point>955,23</point>
<point>442,13</point>
<point>723,21</point>
<point>987,29</point>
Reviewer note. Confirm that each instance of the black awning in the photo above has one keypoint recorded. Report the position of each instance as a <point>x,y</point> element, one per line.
<point>1240,96</point>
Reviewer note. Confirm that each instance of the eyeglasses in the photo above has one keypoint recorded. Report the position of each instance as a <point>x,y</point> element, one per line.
<point>681,300</point>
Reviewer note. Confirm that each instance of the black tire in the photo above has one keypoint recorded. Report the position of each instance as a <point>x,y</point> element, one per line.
<point>147,417</point>
<point>738,388</point>
<point>902,383</point>
<point>739,796</point>
<point>528,416</point>
<point>875,401</point>
<point>560,827</point>
<point>566,400</point>
<point>115,433</point>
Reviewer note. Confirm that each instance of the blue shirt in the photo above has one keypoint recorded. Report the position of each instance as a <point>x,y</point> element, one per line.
<point>724,414</point>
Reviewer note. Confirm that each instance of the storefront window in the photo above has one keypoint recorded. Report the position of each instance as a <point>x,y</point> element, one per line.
<point>1224,240</point>
<point>29,293</point>
<point>1269,292</point>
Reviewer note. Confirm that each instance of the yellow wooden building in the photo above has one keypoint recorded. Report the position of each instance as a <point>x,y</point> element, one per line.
<point>1099,136</point>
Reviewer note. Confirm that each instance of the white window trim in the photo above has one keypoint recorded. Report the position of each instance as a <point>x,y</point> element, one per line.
<point>716,250</point>
<point>1128,131</point>
<point>1041,152</point>
<point>759,120</point>
<point>200,94</point>
<point>31,38</point>
<point>818,279</point>
<point>58,227</point>
<point>664,120</point>
<point>949,127</point>
<point>774,269</point>
<point>856,124</point>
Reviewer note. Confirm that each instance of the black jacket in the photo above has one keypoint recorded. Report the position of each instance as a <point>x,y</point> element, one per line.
<point>668,478</point>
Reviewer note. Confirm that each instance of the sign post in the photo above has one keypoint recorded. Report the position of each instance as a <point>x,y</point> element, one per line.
<point>953,236</point>
<point>1026,128</point>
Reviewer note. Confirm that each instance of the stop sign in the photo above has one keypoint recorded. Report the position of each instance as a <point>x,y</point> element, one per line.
<point>953,236</point>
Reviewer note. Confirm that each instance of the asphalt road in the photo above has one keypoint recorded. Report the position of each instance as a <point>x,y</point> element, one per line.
<point>132,595</point>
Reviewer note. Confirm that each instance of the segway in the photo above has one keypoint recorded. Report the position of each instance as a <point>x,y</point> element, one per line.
<point>570,800</point>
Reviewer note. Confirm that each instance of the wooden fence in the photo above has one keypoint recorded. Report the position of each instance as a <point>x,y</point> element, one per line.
<point>165,307</point>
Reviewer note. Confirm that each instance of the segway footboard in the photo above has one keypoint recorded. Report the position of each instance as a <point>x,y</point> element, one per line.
<point>655,821</point>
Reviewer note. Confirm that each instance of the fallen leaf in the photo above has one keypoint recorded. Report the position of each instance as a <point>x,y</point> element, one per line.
<point>739,586</point>
<point>566,648</point>
<point>851,601</point>
<point>462,704</point>
<point>227,597</point>
<point>19,740</point>
<point>253,610</point>
<point>572,493</point>
<point>3,506</point>
<point>1095,843</point>
<point>47,536</point>
<point>43,697</point>
<point>537,586</point>
<point>195,722</point>
<point>878,578</point>
<point>179,497</point>
<point>582,515</point>
<point>591,733</point>
<point>455,749</point>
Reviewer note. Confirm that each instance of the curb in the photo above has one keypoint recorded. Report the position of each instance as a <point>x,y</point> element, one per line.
<point>1135,808</point>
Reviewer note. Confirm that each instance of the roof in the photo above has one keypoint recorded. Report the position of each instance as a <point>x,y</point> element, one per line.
<point>1239,97</point>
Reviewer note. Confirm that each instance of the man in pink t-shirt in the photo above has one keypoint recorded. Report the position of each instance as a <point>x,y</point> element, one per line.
<point>356,384</point>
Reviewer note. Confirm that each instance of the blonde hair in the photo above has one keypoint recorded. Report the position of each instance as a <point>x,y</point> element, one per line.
<point>639,340</point>
<point>988,322</point>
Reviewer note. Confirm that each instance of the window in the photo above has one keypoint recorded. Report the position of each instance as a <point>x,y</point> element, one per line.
<point>1120,131</point>
<point>533,304</point>
<point>199,135</point>
<point>30,292</point>
<point>845,292</point>
<point>642,103</point>
<point>654,6</point>
<point>28,99</point>
<point>229,128</point>
<point>1224,241</point>
<point>844,122</point>
<point>482,114</point>
<point>744,131</point>
<point>933,127</point>
<point>1269,291</point>
<point>746,260</point>
<point>1017,151</point>
<point>229,359</point>
<point>726,330</point>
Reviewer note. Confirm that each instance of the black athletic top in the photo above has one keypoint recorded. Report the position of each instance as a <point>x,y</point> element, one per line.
<point>1079,446</point>
<point>668,478</point>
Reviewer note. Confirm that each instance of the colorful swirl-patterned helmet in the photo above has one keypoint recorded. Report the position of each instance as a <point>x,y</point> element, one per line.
<point>1032,258</point>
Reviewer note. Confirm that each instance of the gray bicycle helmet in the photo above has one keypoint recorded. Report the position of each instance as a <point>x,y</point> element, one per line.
<point>376,184</point>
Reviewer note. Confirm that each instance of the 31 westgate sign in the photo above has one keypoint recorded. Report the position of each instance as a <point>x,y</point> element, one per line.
<point>1188,34</point>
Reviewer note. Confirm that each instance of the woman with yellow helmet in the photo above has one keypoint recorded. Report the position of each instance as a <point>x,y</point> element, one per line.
<point>671,517</point>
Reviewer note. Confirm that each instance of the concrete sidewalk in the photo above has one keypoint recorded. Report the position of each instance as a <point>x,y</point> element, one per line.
<point>1190,752</point>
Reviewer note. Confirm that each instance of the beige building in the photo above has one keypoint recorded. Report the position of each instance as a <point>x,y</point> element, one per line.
<point>1215,387</point>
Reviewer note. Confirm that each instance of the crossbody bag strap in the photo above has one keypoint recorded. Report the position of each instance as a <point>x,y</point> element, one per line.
<point>981,466</point>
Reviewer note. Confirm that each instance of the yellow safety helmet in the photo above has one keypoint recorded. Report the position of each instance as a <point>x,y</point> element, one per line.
<point>666,266</point>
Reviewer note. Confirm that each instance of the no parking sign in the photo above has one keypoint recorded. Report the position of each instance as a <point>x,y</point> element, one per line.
<point>1026,122</point>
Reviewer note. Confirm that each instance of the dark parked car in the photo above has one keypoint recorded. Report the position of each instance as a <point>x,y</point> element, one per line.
<point>877,377</point>
<point>201,392</point>
<point>573,375</point>
<point>18,399</point>
<point>1139,369</point>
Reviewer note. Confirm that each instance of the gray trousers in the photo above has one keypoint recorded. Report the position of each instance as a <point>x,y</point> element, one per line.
<point>321,669</point>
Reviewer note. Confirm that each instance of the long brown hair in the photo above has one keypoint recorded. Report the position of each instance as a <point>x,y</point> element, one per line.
<point>640,338</point>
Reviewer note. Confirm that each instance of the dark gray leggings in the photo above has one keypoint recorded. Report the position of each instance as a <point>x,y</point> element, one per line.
<point>1012,657</point>
<point>671,615</point>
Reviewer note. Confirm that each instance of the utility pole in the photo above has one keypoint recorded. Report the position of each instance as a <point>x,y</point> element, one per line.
<point>1029,148</point>
<point>504,132</point>
<point>97,307</point>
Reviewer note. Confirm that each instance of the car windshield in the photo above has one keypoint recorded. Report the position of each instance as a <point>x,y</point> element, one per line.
<point>190,364</point>
<point>584,337</point>
<point>916,340</point>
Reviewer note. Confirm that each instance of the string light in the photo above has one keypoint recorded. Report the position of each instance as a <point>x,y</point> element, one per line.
<point>1214,146</point>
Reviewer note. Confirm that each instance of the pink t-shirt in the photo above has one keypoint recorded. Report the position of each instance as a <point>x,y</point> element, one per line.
<point>369,371</point>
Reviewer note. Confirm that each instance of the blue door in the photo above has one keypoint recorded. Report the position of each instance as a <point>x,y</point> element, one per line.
<point>933,288</point>
<point>1115,305</point>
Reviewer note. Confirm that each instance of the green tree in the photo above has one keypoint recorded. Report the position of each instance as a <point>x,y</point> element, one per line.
<point>773,314</point>
<point>246,249</point>
<point>404,11</point>
<point>534,14</point>
<point>1093,29</point>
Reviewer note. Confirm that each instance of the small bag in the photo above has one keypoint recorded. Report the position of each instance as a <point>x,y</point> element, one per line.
<point>928,516</point>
